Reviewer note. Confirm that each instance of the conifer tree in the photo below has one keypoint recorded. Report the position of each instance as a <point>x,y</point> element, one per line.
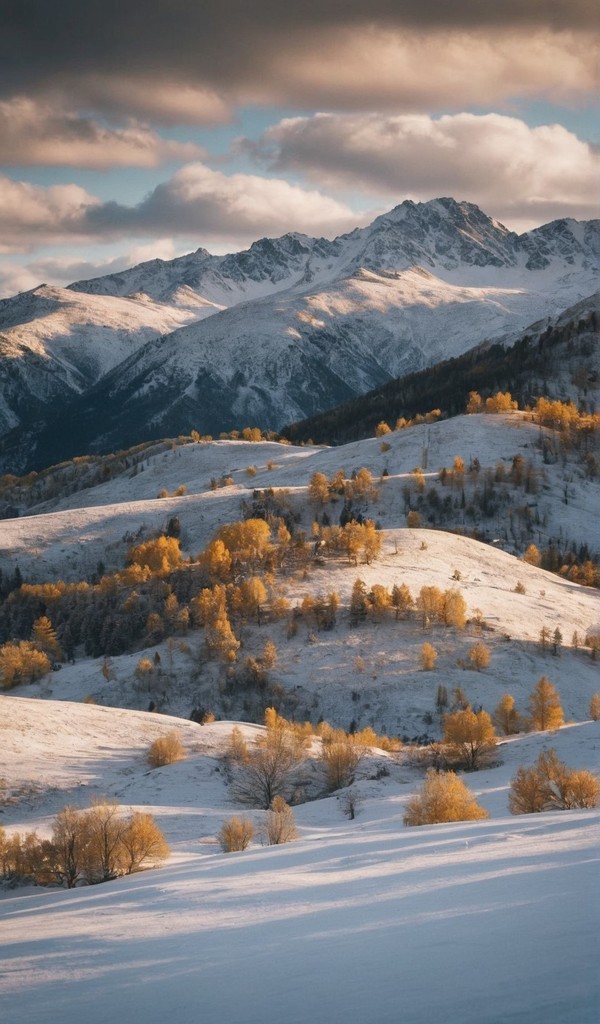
<point>544,703</point>
<point>45,638</point>
<point>506,717</point>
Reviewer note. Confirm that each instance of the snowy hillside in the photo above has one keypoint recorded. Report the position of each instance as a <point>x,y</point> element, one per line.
<point>508,600</point>
<point>296,325</point>
<point>68,536</point>
<point>479,922</point>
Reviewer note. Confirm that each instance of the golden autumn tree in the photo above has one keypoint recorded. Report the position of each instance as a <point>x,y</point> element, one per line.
<point>44,637</point>
<point>470,737</point>
<point>545,707</point>
<point>443,798</point>
<point>506,718</point>
<point>159,555</point>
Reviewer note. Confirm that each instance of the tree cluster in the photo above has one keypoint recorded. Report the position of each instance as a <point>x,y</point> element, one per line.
<point>94,845</point>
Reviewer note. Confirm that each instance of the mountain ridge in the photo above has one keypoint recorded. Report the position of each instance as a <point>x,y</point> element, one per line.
<point>288,328</point>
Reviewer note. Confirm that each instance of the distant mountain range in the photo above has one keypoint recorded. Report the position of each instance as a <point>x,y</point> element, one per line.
<point>285,330</point>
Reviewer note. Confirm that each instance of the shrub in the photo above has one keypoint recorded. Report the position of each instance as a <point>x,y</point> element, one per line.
<point>341,755</point>
<point>142,841</point>
<point>166,750</point>
<point>444,797</point>
<point>428,657</point>
<point>594,708</point>
<point>479,656</point>
<point>280,826</point>
<point>236,834</point>
<point>550,785</point>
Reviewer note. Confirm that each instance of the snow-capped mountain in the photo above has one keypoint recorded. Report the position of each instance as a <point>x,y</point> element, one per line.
<point>55,344</point>
<point>295,325</point>
<point>456,241</point>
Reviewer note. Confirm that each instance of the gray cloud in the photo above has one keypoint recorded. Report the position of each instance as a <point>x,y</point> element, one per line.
<point>181,60</point>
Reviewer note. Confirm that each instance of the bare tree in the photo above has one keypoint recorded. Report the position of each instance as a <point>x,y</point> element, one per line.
<point>268,767</point>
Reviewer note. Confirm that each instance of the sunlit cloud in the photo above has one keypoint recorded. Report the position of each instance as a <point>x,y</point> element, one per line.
<point>32,132</point>
<point>520,174</point>
<point>31,214</point>
<point>196,201</point>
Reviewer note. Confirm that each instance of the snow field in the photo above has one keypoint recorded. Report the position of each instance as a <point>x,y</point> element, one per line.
<point>490,921</point>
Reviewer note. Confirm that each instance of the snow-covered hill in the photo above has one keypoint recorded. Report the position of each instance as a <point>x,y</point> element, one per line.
<point>301,324</point>
<point>481,922</point>
<point>67,536</point>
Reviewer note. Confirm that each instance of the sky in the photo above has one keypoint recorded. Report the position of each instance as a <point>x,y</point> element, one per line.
<point>145,129</point>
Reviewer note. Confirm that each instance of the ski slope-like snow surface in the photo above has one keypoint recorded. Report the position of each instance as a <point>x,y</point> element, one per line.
<point>492,921</point>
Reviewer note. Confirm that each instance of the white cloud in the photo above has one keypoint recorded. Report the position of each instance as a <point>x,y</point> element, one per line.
<point>519,174</point>
<point>235,206</point>
<point>31,213</point>
<point>56,270</point>
<point>195,203</point>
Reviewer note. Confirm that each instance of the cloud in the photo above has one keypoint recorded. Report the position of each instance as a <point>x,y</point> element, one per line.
<point>519,174</point>
<point>33,132</point>
<point>193,62</point>
<point>195,203</point>
<point>31,214</point>
<point>237,206</point>
<point>18,277</point>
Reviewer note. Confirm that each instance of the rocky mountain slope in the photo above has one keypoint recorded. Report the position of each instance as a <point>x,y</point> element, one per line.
<point>299,324</point>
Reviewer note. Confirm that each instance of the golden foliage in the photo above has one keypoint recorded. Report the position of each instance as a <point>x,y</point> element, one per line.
<point>280,826</point>
<point>166,750</point>
<point>550,785</point>
<point>236,834</point>
<point>545,706</point>
<point>443,798</point>
<point>427,657</point>
<point>159,555</point>
<point>479,656</point>
<point>469,736</point>
<point>22,662</point>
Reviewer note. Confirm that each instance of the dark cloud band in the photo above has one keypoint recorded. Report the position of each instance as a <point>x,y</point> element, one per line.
<point>226,44</point>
